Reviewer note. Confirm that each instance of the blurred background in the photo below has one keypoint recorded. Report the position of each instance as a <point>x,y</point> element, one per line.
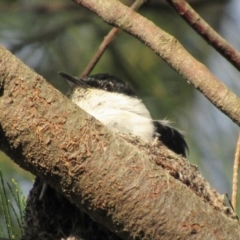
<point>58,35</point>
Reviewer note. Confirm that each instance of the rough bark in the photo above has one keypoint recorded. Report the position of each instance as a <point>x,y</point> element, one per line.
<point>134,189</point>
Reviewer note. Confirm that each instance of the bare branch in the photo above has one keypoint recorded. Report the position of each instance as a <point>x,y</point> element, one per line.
<point>121,185</point>
<point>170,50</point>
<point>105,43</point>
<point>208,33</point>
<point>235,174</point>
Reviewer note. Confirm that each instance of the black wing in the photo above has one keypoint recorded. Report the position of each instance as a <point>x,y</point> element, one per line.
<point>171,137</point>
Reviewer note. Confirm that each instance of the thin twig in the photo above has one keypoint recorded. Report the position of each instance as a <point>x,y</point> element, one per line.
<point>208,33</point>
<point>235,175</point>
<point>106,41</point>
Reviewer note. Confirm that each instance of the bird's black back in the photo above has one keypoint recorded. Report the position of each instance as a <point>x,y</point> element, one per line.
<point>109,83</point>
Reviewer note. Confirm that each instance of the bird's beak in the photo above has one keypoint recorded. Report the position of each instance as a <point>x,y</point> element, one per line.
<point>72,81</point>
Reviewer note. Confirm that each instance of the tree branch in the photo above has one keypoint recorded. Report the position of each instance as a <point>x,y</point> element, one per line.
<point>208,33</point>
<point>105,43</point>
<point>170,50</point>
<point>121,183</point>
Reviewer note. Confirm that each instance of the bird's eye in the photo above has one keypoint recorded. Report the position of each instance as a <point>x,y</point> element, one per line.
<point>108,87</point>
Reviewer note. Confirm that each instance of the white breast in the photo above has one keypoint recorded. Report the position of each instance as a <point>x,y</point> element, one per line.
<point>117,111</point>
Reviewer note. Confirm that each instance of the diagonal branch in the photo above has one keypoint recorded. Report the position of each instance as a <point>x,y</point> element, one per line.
<point>170,50</point>
<point>132,188</point>
<point>208,33</point>
<point>105,43</point>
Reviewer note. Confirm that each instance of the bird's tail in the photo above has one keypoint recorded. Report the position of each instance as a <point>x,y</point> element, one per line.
<point>171,137</point>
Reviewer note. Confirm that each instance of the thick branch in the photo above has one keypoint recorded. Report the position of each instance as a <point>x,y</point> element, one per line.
<point>114,181</point>
<point>207,32</point>
<point>170,50</point>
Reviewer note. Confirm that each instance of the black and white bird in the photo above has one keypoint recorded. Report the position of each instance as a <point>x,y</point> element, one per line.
<point>116,105</point>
